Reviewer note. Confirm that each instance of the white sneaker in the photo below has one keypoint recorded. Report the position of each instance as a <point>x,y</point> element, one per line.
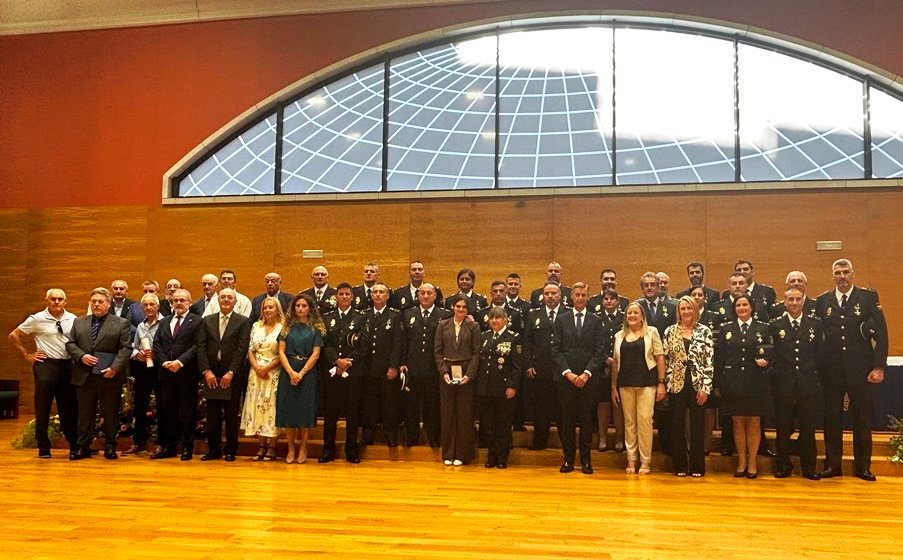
<point>457,463</point>
<point>447,463</point>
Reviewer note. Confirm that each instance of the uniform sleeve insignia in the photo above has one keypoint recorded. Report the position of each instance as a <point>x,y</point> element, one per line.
<point>728,335</point>
<point>781,333</point>
<point>598,307</point>
<point>413,319</point>
<point>537,321</point>
<point>332,323</point>
<point>829,311</point>
<point>721,310</point>
<point>357,300</point>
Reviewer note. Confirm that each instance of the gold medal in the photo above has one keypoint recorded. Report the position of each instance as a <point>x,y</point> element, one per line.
<point>781,333</point>
<point>501,361</point>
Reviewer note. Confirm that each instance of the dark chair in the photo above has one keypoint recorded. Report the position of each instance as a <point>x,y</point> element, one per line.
<point>9,399</point>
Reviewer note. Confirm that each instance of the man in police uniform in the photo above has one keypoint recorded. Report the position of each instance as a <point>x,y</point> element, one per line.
<point>609,281</point>
<point>798,280</point>
<point>361,298</point>
<point>346,352</point>
<point>553,275</point>
<point>321,291</point>
<point>760,293</point>
<point>513,299</point>
<point>382,384</point>
<point>419,365</point>
<point>738,287</point>
<point>407,296</point>
<point>538,364</point>
<point>696,275</point>
<point>466,279</point>
<point>798,347</point>
<point>497,292</point>
<point>855,358</point>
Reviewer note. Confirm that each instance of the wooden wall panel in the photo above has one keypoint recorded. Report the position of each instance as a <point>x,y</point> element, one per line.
<point>81,248</point>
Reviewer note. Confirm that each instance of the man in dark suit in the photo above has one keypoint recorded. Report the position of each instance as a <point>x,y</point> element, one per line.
<point>381,385</point>
<point>539,366</point>
<point>273,284</point>
<point>579,355</point>
<point>208,304</point>
<point>798,280</point>
<point>344,363</point>
<point>760,293</point>
<point>321,291</point>
<point>120,304</point>
<point>553,275</point>
<point>696,275</point>
<point>175,350</point>
<point>362,299</point>
<point>135,314</point>
<point>798,348</point>
<point>407,296</point>
<point>101,345</point>
<point>513,299</point>
<point>855,358</point>
<point>419,365</point>
<point>222,346</point>
<point>466,279</point>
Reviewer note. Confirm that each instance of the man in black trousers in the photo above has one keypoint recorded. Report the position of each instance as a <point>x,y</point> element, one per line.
<point>222,345</point>
<point>579,353</point>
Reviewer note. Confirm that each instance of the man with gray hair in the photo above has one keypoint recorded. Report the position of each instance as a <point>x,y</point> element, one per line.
<point>52,368</point>
<point>100,344</point>
<point>795,279</point>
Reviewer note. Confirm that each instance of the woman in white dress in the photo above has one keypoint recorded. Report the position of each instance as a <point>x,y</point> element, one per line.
<point>258,417</point>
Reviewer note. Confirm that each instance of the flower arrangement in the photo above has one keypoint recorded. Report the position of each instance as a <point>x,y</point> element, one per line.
<point>896,442</point>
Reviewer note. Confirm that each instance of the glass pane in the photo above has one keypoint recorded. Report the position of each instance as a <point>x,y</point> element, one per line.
<point>675,107</point>
<point>798,121</point>
<point>333,137</point>
<point>887,134</point>
<point>246,165</point>
<point>555,108</point>
<point>442,118</point>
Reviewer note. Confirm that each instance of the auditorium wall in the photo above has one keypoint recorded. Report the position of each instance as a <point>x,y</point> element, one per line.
<point>90,121</point>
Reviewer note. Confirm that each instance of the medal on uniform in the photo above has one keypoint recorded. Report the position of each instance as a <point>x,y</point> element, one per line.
<point>857,310</point>
<point>721,310</point>
<point>332,301</point>
<point>357,300</point>
<point>829,311</point>
<point>501,361</point>
<point>759,338</point>
<point>504,348</point>
<point>781,333</point>
<point>388,324</point>
<point>351,325</point>
<point>761,351</point>
<point>413,319</point>
<point>811,334</point>
<point>332,323</point>
<point>664,311</point>
<point>728,335</point>
<point>537,321</point>
<point>598,307</point>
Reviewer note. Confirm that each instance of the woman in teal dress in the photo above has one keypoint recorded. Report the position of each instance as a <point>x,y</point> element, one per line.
<point>299,349</point>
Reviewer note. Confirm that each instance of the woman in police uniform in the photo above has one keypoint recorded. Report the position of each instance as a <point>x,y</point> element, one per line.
<point>742,354</point>
<point>501,361</point>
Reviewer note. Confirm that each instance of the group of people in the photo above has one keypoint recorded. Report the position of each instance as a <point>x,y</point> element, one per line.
<point>395,359</point>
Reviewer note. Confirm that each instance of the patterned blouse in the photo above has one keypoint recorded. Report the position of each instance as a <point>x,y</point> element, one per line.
<point>698,358</point>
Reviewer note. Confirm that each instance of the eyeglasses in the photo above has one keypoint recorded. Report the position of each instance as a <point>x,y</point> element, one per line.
<point>59,327</point>
<point>179,300</point>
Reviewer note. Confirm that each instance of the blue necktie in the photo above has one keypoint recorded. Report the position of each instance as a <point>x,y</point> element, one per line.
<point>95,328</point>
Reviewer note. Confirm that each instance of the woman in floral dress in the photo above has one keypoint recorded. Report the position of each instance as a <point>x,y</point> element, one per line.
<point>258,417</point>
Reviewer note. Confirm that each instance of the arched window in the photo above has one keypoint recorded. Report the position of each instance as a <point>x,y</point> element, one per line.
<point>565,105</point>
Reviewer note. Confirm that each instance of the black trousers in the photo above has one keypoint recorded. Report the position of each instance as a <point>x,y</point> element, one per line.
<point>495,423</point>
<point>422,403</point>
<point>108,394</point>
<point>680,403</point>
<point>221,412</point>
<point>178,410</point>
<point>53,380</point>
<point>861,410</point>
<point>787,409</point>
<point>578,408</point>
<point>341,396</point>
<point>147,381</point>
<point>546,409</point>
<point>379,403</point>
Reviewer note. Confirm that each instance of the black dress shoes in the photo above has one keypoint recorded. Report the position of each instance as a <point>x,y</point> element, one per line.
<point>502,465</point>
<point>392,442</point>
<point>866,475</point>
<point>187,456</point>
<point>354,459</point>
<point>491,463</point>
<point>831,472</point>
<point>520,428</point>
<point>586,468</point>
<point>537,447</point>
<point>766,452</point>
<point>783,473</point>
<point>811,475</point>
<point>79,455</point>
<point>328,458</point>
<point>409,443</point>
<point>434,444</point>
<point>566,467</point>
<point>110,454</point>
<point>740,474</point>
<point>163,454</point>
<point>44,454</point>
<point>229,458</point>
<point>211,456</point>
<point>752,475</point>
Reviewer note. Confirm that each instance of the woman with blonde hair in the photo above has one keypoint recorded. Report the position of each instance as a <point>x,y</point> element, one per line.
<point>299,349</point>
<point>637,382</point>
<point>688,357</point>
<point>258,417</point>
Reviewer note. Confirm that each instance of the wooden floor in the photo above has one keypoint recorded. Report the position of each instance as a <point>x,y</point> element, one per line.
<point>136,508</point>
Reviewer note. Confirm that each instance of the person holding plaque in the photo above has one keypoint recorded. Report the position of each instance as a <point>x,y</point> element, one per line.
<point>222,345</point>
<point>144,370</point>
<point>742,355</point>
<point>100,343</point>
<point>258,417</point>
<point>457,355</point>
<point>300,342</point>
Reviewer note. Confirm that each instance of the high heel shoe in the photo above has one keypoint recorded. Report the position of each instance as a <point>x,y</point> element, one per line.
<point>631,467</point>
<point>302,455</point>
<point>644,469</point>
<point>740,474</point>
<point>261,453</point>
<point>290,457</point>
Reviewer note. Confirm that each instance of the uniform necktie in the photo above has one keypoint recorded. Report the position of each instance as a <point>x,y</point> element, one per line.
<point>796,324</point>
<point>95,328</point>
<point>426,314</point>
<point>175,330</point>
<point>843,300</point>
<point>743,328</point>
<point>552,315</point>
<point>319,294</point>
<point>579,323</point>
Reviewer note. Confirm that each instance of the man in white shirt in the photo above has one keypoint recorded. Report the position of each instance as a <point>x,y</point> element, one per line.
<point>227,279</point>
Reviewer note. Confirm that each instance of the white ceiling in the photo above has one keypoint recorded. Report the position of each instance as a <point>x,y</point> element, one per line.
<point>43,16</point>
